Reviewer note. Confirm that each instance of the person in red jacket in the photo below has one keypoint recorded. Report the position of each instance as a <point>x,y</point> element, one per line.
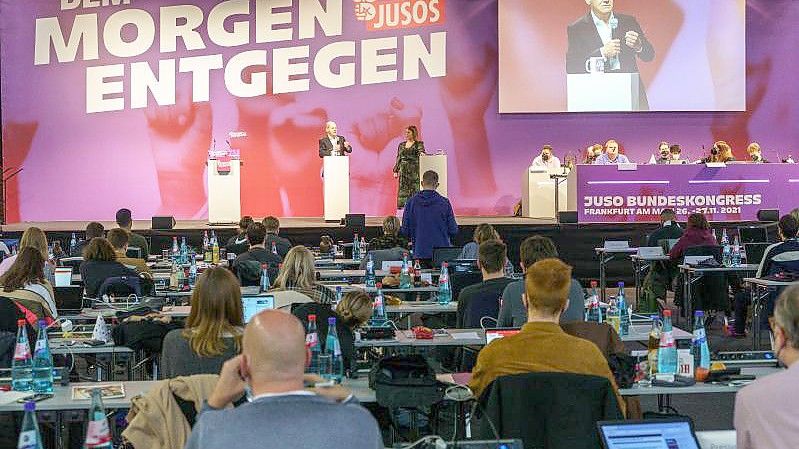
<point>698,233</point>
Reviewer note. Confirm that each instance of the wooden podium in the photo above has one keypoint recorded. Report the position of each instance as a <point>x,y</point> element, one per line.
<point>600,92</point>
<point>224,192</point>
<point>538,193</point>
<point>336,172</point>
<point>437,163</point>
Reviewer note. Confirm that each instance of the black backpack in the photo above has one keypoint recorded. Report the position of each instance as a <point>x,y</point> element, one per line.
<point>405,380</point>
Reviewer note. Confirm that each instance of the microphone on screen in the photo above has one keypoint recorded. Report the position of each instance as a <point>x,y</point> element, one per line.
<point>614,24</point>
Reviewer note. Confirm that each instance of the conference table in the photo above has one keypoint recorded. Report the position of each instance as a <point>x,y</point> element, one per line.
<point>607,254</point>
<point>760,289</point>
<point>693,273</point>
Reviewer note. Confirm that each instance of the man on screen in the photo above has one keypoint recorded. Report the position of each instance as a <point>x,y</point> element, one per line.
<point>332,144</point>
<point>617,38</point>
<point>611,155</point>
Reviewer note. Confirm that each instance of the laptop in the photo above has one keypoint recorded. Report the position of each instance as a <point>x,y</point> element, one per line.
<point>753,234</point>
<point>69,299</point>
<point>63,276</point>
<point>671,433</point>
<point>253,305</point>
<point>755,252</point>
<point>500,332</point>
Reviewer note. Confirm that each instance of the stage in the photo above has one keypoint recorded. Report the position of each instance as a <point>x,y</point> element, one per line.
<point>575,242</point>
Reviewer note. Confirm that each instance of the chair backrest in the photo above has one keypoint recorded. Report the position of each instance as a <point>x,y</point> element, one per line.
<point>443,254</point>
<point>551,410</point>
<point>249,272</point>
<point>120,286</point>
<point>285,298</point>
<point>704,250</point>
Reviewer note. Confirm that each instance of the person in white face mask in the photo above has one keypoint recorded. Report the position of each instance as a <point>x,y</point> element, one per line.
<point>765,411</point>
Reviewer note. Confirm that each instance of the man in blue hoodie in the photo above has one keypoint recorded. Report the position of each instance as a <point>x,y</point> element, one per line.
<point>428,219</point>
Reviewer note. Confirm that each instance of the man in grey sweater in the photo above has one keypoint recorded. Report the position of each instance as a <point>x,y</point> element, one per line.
<point>512,310</point>
<point>281,413</point>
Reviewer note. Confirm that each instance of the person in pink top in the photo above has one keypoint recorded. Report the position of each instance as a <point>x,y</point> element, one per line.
<point>765,411</point>
<point>697,233</point>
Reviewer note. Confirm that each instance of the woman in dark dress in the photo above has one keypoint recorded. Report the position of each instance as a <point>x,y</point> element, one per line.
<point>407,166</point>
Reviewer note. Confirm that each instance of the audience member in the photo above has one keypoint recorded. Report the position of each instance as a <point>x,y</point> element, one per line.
<point>755,153</point>
<point>25,283</point>
<point>271,367</point>
<point>428,219</point>
<point>355,309</point>
<point>697,233</point>
<point>32,237</point>
<point>765,411</point>
<point>213,330</point>
<point>125,221</point>
<point>93,229</point>
<point>238,244</point>
<point>100,263</point>
<point>118,238</point>
<point>249,264</point>
<point>795,213</point>
<point>482,300</point>
<point>482,233</point>
<point>611,155</point>
<point>512,311</point>
<point>298,274</point>
<point>390,238</point>
<point>668,230</point>
<point>283,245</point>
<point>542,345</point>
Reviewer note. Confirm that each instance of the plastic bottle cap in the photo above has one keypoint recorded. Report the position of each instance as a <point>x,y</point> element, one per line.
<point>667,312</point>
<point>379,285</point>
<point>331,320</point>
<point>699,313</point>
<point>30,406</point>
<point>312,317</point>
<point>20,323</point>
<point>594,284</point>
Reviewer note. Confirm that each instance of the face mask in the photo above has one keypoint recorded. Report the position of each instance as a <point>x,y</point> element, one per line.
<point>675,156</point>
<point>755,157</point>
<point>545,157</point>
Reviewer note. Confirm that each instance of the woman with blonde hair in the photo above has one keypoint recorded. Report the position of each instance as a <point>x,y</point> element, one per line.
<point>482,233</point>
<point>32,237</point>
<point>355,309</point>
<point>213,330</point>
<point>297,273</point>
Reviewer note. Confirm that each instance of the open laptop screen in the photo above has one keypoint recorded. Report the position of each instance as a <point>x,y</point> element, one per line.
<point>651,434</point>
<point>253,305</point>
<point>497,333</point>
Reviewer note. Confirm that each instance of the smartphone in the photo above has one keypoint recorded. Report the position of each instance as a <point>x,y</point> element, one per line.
<point>35,398</point>
<point>94,342</point>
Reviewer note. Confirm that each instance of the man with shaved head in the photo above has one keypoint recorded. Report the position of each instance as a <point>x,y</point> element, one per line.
<point>280,413</point>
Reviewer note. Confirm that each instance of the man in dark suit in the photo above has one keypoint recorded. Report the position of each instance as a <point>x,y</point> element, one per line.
<point>617,38</point>
<point>332,144</point>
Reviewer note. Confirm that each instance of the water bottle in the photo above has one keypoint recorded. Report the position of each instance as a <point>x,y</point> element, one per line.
<point>370,279</point>
<point>594,311</point>
<point>699,347</point>
<point>508,269</point>
<point>175,247</point>
<point>215,252</point>
<point>192,270</point>
<point>379,309</point>
<point>73,244</point>
<point>417,273</point>
<point>29,435</point>
<point>339,294</point>
<point>624,312</point>
<point>265,282</point>
<point>42,362</point>
<point>356,248</point>
<point>312,343</point>
<point>184,251</point>
<point>714,235</point>
<point>274,248</point>
<point>333,347</point>
<point>362,248</point>
<point>213,238</point>
<point>22,365</point>
<point>726,255</point>
<point>444,290</point>
<point>206,242</point>
<point>667,349</point>
<point>736,252</point>
<point>98,435</point>
<point>725,240</point>
<point>614,316</point>
<point>653,345</point>
<point>405,280</point>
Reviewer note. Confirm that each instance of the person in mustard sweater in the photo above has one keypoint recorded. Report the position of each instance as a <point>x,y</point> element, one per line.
<point>542,346</point>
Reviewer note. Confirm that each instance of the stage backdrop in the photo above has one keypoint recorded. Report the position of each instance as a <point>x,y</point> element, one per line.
<point>115,103</point>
